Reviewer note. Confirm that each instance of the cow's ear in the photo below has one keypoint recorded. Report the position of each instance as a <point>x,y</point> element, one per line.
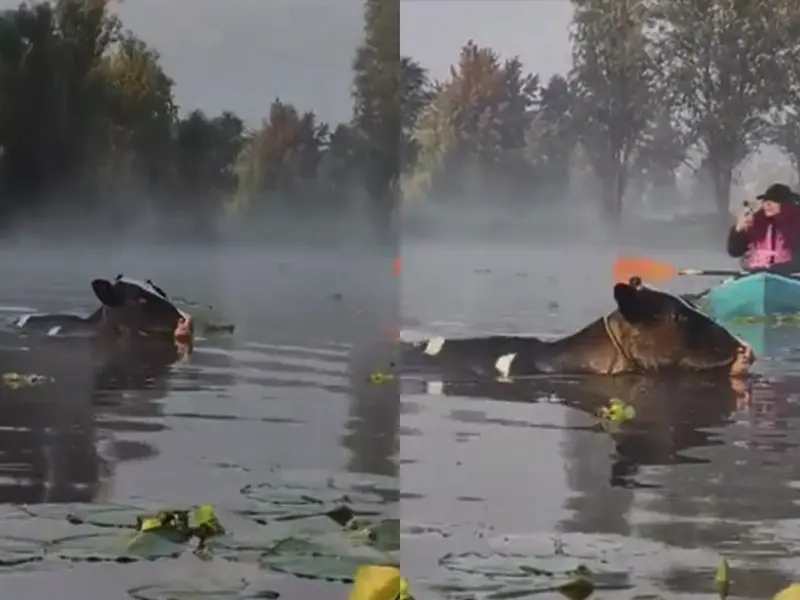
<point>640,304</point>
<point>106,293</point>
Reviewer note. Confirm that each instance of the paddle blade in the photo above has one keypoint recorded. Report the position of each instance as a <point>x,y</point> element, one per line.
<point>655,271</point>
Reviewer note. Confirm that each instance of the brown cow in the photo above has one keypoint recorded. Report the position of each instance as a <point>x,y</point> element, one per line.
<point>650,332</point>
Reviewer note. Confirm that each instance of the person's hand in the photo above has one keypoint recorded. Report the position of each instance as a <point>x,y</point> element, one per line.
<point>744,222</point>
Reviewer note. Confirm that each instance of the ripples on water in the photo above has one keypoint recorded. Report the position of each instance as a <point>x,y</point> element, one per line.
<point>285,396</point>
<point>499,480</point>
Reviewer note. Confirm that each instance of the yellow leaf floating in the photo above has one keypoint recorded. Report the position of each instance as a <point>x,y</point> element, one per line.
<point>789,593</point>
<point>617,412</point>
<point>378,582</point>
<point>722,582</point>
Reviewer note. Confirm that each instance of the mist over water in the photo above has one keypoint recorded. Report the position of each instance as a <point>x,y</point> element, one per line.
<point>287,393</point>
<point>499,479</point>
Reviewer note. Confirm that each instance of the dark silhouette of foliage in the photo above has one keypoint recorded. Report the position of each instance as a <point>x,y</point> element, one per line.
<point>88,120</point>
<point>475,127</point>
<point>612,73</point>
<point>377,115</point>
<point>283,156</point>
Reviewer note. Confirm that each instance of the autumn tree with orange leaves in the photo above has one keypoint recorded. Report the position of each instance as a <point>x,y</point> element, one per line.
<point>474,128</point>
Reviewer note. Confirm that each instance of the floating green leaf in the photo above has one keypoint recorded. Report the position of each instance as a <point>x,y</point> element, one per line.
<point>617,412</point>
<point>379,377</point>
<point>579,587</point>
<point>404,593</point>
<point>721,579</point>
<point>19,380</point>
<point>179,526</point>
<point>204,522</point>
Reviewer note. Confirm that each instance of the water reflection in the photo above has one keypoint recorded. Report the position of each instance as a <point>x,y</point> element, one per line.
<point>704,465</point>
<point>373,423</point>
<point>372,428</point>
<point>53,445</point>
<point>671,414</point>
<point>672,419</point>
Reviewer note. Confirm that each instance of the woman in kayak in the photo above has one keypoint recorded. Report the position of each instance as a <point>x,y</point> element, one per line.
<point>768,238</point>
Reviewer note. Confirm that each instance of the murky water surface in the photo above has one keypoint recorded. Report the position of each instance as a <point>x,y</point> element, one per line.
<point>275,425</point>
<point>506,488</point>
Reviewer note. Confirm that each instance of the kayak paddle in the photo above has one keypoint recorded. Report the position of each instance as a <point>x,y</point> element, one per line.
<point>658,271</point>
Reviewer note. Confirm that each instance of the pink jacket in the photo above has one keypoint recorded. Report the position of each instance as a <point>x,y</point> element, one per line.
<point>771,241</point>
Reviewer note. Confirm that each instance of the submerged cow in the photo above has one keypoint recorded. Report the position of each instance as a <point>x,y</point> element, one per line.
<point>651,331</point>
<point>128,308</point>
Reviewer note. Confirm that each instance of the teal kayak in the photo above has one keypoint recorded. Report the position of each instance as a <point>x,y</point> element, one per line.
<point>765,339</point>
<point>754,295</point>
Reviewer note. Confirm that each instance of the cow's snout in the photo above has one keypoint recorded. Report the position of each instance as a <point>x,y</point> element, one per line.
<point>184,330</point>
<point>745,357</point>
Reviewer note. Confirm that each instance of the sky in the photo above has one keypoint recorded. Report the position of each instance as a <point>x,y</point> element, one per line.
<point>240,55</point>
<point>433,32</point>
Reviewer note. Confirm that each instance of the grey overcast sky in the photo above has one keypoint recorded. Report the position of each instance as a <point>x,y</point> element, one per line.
<point>433,31</point>
<point>242,54</point>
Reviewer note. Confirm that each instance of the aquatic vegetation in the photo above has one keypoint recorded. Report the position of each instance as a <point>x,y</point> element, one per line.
<point>513,576</point>
<point>306,524</point>
<point>615,413</point>
<point>579,587</point>
<point>722,582</point>
<point>380,377</point>
<point>180,526</point>
<point>17,380</point>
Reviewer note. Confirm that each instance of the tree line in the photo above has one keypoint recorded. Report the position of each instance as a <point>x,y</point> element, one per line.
<point>89,125</point>
<point>89,122</point>
<point>655,85</point>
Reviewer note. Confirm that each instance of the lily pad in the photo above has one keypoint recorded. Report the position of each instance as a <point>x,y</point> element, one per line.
<point>525,574</point>
<point>187,592</point>
<point>318,548</point>
<point>114,546</point>
<point>119,516</point>
<point>297,494</point>
<point>17,551</point>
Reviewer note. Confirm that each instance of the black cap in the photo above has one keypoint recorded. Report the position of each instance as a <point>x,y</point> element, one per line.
<point>780,193</point>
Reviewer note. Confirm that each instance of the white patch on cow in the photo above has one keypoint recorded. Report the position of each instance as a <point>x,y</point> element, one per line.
<point>23,320</point>
<point>434,388</point>
<point>434,346</point>
<point>503,364</point>
<point>54,330</point>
